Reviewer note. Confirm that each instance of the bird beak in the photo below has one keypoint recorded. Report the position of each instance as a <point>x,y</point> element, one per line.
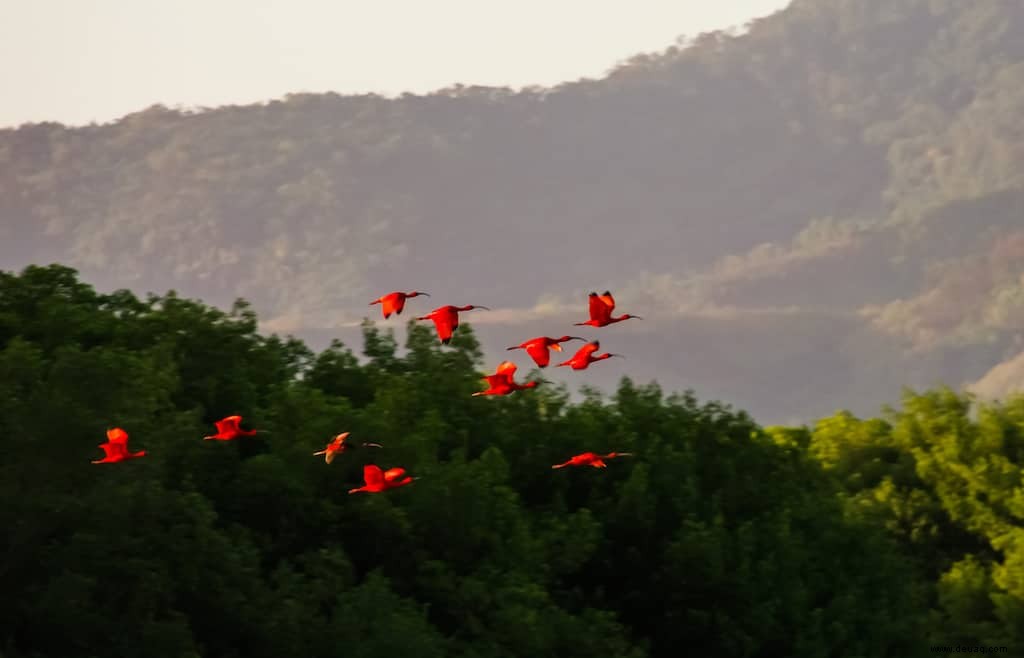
<point>577,338</point>
<point>514,347</point>
<point>425,294</point>
<point>483,307</point>
<point>618,355</point>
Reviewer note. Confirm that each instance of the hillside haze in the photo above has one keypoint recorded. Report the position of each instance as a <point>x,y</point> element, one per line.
<point>809,215</point>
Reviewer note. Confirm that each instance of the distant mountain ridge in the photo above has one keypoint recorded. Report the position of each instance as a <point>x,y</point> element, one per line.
<point>813,213</point>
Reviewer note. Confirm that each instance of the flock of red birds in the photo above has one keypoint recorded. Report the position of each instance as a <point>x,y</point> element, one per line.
<point>446,320</point>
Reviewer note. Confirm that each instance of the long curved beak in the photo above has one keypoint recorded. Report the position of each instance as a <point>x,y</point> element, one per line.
<point>577,338</point>
<point>514,347</point>
<point>483,307</point>
<point>618,355</point>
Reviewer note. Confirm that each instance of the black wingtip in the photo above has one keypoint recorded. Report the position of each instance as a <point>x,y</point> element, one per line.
<point>607,292</point>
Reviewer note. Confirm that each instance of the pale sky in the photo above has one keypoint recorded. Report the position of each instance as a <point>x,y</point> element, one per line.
<point>77,61</point>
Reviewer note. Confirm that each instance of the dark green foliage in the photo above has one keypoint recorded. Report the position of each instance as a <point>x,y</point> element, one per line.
<point>718,537</point>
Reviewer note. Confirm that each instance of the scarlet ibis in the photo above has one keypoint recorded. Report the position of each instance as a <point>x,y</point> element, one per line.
<point>378,480</point>
<point>501,383</point>
<point>601,307</point>
<point>446,319</point>
<point>592,459</point>
<point>116,448</point>
<point>229,428</point>
<point>394,302</point>
<point>585,356</point>
<point>338,446</point>
<point>538,348</point>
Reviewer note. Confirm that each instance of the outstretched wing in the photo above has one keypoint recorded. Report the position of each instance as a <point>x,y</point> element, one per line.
<point>228,425</point>
<point>608,300</point>
<point>600,311</point>
<point>114,450</point>
<point>539,352</point>
<point>339,440</point>
<point>506,368</point>
<point>497,381</point>
<point>117,435</point>
<point>445,321</point>
<point>373,475</point>
<point>587,350</point>
<point>392,303</point>
<point>394,474</point>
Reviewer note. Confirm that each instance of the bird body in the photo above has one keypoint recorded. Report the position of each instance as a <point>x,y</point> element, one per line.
<point>377,480</point>
<point>338,446</point>
<point>394,302</point>
<point>446,320</point>
<point>502,382</point>
<point>601,307</point>
<point>116,448</point>
<point>592,459</point>
<point>585,356</point>
<point>229,429</point>
<point>539,348</point>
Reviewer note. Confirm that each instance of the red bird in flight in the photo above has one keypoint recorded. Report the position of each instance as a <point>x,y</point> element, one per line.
<point>394,302</point>
<point>601,307</point>
<point>338,446</point>
<point>585,356</point>
<point>592,459</point>
<point>378,480</point>
<point>501,383</point>
<point>446,319</point>
<point>538,348</point>
<point>229,429</point>
<point>116,448</point>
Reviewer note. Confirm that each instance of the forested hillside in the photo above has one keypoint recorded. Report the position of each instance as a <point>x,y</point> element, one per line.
<point>851,537</point>
<point>833,197</point>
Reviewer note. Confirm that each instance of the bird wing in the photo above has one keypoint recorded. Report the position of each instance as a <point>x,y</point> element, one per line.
<point>113,450</point>
<point>373,475</point>
<point>339,440</point>
<point>506,368</point>
<point>539,352</point>
<point>228,425</point>
<point>599,309</point>
<point>117,435</point>
<point>394,474</point>
<point>587,350</point>
<point>329,455</point>
<point>445,320</point>
<point>608,300</point>
<point>585,458</point>
<point>393,303</point>
<point>498,380</point>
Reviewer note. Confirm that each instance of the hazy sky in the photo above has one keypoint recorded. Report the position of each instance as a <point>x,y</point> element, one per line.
<point>77,61</point>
